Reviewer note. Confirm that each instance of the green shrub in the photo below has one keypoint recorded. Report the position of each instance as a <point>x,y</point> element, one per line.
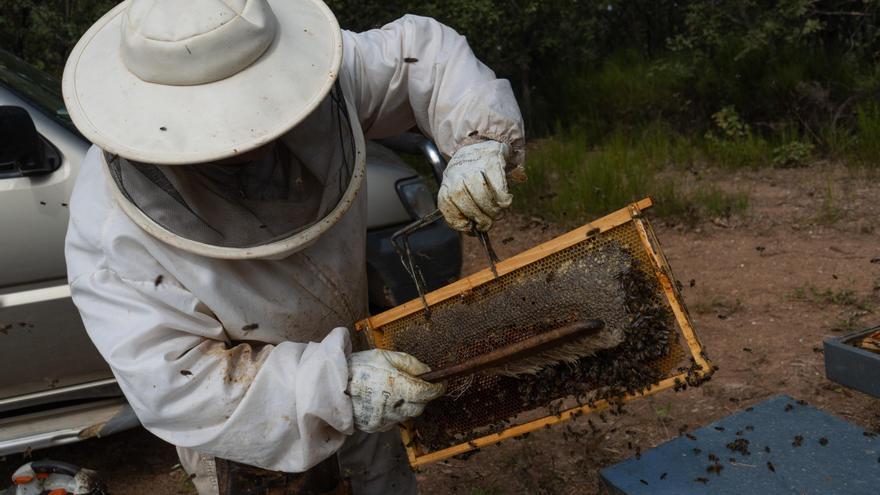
<point>866,148</point>
<point>730,124</point>
<point>792,154</point>
<point>836,140</point>
<point>730,143</point>
<point>689,205</point>
<point>624,90</point>
<point>750,152</point>
<point>571,182</point>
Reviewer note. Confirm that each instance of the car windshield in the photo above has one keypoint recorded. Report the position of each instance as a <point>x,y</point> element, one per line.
<point>37,88</point>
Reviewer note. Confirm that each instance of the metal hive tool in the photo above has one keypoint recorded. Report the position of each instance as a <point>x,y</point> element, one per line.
<point>610,270</point>
<point>400,243</point>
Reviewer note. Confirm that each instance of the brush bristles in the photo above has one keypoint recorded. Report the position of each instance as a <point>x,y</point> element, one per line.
<point>564,354</point>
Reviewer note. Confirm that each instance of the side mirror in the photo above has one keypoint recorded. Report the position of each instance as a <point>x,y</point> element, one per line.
<point>22,152</point>
<point>416,144</point>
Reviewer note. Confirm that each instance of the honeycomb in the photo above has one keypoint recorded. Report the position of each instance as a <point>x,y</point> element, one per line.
<point>608,275</point>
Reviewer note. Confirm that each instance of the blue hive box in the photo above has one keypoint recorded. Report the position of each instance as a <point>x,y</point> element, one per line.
<point>810,452</point>
<point>849,365</point>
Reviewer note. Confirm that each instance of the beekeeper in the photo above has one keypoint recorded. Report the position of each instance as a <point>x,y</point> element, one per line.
<point>217,230</point>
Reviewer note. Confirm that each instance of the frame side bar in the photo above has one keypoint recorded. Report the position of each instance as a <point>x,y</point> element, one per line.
<point>666,279</point>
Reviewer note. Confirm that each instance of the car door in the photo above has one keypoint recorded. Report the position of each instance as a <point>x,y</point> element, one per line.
<point>45,354</point>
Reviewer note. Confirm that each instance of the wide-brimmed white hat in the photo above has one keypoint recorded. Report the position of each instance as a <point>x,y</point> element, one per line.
<point>191,81</point>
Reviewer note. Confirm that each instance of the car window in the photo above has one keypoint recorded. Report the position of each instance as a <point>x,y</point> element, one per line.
<point>37,88</point>
<point>51,160</point>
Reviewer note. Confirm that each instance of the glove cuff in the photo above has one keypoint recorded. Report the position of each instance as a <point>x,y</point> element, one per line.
<point>517,146</point>
<point>514,153</point>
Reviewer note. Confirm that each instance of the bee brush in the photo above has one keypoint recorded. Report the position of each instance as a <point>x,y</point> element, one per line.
<point>524,357</point>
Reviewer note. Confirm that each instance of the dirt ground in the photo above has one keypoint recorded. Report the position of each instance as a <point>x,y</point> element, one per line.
<point>764,290</point>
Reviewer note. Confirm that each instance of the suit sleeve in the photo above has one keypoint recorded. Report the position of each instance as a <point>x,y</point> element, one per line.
<point>417,72</point>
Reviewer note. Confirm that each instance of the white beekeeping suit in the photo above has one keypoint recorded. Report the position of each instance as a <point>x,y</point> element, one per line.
<point>224,313</point>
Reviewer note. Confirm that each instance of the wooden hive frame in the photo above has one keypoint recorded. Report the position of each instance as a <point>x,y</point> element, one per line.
<point>632,213</point>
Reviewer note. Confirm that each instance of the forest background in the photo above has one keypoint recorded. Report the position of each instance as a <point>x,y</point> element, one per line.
<point>628,98</point>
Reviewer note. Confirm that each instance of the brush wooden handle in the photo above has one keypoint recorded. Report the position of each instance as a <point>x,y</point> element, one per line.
<point>528,347</point>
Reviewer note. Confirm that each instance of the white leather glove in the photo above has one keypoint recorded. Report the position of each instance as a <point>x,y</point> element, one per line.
<point>384,389</point>
<point>474,186</point>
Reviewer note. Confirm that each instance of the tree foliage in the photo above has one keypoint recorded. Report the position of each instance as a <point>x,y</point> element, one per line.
<point>647,59</point>
<point>43,32</point>
<point>607,61</point>
<point>520,39</point>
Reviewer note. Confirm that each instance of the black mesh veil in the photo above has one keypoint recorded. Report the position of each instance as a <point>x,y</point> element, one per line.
<point>292,184</point>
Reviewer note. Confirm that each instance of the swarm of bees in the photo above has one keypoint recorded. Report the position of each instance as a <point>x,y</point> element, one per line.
<point>608,375</point>
<point>740,445</point>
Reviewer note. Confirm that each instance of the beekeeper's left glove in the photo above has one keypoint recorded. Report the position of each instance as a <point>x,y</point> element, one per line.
<point>474,186</point>
<point>384,389</point>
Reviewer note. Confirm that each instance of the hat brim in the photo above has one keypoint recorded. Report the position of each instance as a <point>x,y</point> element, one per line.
<point>171,125</point>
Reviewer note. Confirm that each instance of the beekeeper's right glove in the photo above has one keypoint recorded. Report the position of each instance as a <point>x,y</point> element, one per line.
<point>474,186</point>
<point>384,389</point>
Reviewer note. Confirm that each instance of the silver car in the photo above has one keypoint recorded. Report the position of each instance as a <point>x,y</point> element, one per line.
<point>54,386</point>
